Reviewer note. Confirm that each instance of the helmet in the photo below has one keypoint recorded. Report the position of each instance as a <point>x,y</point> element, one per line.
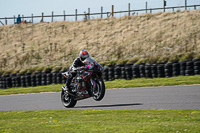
<point>83,55</point>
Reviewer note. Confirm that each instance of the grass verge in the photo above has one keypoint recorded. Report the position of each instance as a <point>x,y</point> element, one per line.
<point>140,82</point>
<point>144,121</point>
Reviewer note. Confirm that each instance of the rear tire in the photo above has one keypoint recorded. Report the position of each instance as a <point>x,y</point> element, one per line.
<point>67,100</point>
<point>99,92</point>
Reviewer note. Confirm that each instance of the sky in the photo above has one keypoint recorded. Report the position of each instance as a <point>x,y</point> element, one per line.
<point>9,8</point>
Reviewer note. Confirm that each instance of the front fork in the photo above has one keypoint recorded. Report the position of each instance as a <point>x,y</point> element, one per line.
<point>93,86</point>
<point>66,92</point>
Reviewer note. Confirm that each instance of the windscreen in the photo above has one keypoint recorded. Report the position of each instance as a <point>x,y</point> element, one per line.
<point>89,60</point>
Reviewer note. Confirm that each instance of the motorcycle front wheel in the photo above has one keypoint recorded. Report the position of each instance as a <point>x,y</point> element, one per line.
<point>99,91</point>
<point>67,100</point>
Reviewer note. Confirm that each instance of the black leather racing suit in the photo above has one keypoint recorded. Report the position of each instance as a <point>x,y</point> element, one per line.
<point>77,63</point>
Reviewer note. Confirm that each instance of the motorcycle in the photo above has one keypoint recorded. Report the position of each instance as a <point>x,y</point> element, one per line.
<point>87,83</point>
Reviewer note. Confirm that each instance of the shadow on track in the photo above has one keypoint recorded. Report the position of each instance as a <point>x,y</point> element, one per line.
<point>107,106</point>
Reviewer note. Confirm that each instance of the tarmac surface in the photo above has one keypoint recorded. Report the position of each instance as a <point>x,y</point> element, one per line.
<point>170,97</point>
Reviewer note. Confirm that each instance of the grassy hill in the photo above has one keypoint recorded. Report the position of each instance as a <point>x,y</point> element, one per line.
<point>145,38</point>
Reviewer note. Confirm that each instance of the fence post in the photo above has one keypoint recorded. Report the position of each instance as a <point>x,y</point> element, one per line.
<point>195,7</point>
<point>32,17</point>
<point>164,4</point>
<point>76,14</point>
<point>1,23</point>
<point>185,5</point>
<point>64,15</point>
<point>129,7</point>
<point>102,12</point>
<point>23,18</point>
<point>42,20</point>
<point>5,21</point>
<point>88,13</point>
<point>14,19</point>
<point>112,11</point>
<point>146,7</point>
<point>52,17</point>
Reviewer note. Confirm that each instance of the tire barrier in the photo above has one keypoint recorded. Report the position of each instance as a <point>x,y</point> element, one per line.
<point>13,80</point>
<point>33,80</point>
<point>43,79</point>
<point>38,79</point>
<point>148,72</point>
<point>49,78</point>
<point>3,82</point>
<point>189,68</point>
<point>142,71</point>
<point>59,81</point>
<point>54,77</point>
<point>8,82</point>
<point>28,80</point>
<point>128,71</point>
<point>197,67</point>
<point>135,71</point>
<point>123,73</point>
<point>18,81</point>
<point>168,70</point>
<point>110,73</point>
<point>176,69</point>
<point>182,68</point>
<point>117,72</point>
<point>161,70</point>
<point>23,83</point>
<point>105,74</point>
<point>154,71</point>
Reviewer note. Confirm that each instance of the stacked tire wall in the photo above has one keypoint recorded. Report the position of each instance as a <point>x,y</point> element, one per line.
<point>111,72</point>
<point>197,67</point>
<point>135,71</point>
<point>117,72</point>
<point>189,68</point>
<point>159,70</point>
<point>168,70</point>
<point>128,71</point>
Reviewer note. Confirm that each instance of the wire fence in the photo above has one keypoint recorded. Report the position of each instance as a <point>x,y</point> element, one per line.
<point>89,15</point>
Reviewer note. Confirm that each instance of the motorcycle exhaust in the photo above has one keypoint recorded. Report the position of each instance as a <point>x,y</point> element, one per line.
<point>70,94</point>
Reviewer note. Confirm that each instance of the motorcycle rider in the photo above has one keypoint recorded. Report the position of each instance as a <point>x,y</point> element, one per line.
<point>78,62</point>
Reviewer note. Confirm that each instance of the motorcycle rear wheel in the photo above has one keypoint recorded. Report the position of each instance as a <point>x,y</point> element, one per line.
<point>67,100</point>
<point>99,91</point>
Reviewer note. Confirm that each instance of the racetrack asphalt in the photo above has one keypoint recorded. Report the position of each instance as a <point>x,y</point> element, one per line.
<point>169,97</point>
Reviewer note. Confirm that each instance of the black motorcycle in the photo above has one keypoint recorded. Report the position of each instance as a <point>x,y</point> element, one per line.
<point>87,83</point>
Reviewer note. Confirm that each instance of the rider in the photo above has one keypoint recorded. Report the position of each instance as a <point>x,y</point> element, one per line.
<point>78,62</point>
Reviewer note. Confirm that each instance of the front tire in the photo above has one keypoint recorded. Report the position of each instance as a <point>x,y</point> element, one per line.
<point>99,91</point>
<point>67,100</point>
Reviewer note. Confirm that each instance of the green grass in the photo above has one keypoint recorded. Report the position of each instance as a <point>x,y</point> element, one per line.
<point>173,81</point>
<point>37,89</point>
<point>140,121</point>
<point>140,82</point>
